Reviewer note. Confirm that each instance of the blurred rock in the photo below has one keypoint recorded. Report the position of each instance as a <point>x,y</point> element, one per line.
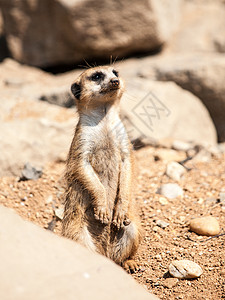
<point>167,155</point>
<point>203,75</point>
<point>159,110</point>
<point>37,264</point>
<point>32,131</point>
<point>59,212</point>
<point>170,190</point>
<point>181,145</point>
<point>60,96</point>
<point>32,83</point>
<point>201,29</point>
<point>202,156</point>
<point>30,173</point>
<point>174,170</point>
<point>43,33</point>
<point>162,224</point>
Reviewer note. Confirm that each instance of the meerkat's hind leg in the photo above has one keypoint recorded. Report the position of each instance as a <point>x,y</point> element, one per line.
<point>125,247</point>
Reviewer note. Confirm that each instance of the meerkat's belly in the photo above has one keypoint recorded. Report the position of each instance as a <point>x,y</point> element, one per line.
<point>106,161</point>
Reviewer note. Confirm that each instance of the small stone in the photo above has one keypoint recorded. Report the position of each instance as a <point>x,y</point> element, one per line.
<point>30,173</point>
<point>222,198</point>
<point>170,190</point>
<point>202,156</point>
<point>205,226</point>
<point>170,282</point>
<point>184,269</point>
<point>163,201</point>
<point>174,170</point>
<point>181,146</point>
<point>169,155</point>
<point>59,212</point>
<point>49,199</point>
<point>155,228</point>
<point>162,224</point>
<point>214,150</point>
<point>200,201</point>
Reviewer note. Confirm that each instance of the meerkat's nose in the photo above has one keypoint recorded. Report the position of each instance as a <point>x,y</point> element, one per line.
<point>115,82</point>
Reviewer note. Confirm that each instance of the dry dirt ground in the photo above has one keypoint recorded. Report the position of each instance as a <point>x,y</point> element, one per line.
<point>37,200</point>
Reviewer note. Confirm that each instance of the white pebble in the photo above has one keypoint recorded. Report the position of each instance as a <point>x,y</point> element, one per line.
<point>184,269</point>
<point>181,145</point>
<point>174,170</point>
<point>170,190</point>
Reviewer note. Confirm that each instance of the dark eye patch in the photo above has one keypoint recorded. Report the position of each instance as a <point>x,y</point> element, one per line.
<point>97,76</point>
<point>116,73</point>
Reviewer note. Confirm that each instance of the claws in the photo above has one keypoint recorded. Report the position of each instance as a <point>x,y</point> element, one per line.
<point>102,214</point>
<point>130,266</point>
<point>120,220</point>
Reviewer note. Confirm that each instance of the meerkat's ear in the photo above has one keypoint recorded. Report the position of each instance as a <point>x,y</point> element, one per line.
<point>76,90</point>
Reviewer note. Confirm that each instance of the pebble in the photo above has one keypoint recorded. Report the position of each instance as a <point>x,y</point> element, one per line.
<point>174,170</point>
<point>205,226</point>
<point>202,156</point>
<point>170,190</point>
<point>170,282</point>
<point>184,269</point>
<point>49,199</point>
<point>59,212</point>
<point>181,146</point>
<point>222,198</point>
<point>163,201</point>
<point>162,224</point>
<point>30,173</point>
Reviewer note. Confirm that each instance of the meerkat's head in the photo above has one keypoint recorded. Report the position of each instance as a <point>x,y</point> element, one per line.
<point>97,86</point>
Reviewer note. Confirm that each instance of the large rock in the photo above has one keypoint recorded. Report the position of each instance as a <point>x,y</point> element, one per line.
<point>45,33</point>
<point>36,264</point>
<point>18,80</point>
<point>203,75</point>
<point>201,29</point>
<point>32,131</point>
<point>155,111</point>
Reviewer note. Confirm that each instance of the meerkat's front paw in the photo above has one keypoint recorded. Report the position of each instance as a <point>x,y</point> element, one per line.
<point>130,266</point>
<point>102,214</point>
<point>120,219</point>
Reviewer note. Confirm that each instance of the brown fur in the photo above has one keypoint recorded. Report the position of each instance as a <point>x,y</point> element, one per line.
<point>99,209</point>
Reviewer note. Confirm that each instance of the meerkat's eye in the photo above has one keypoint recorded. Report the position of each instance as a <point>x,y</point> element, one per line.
<point>97,76</point>
<point>116,73</point>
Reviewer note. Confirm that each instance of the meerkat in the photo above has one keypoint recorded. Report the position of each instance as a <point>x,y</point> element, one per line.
<point>100,212</point>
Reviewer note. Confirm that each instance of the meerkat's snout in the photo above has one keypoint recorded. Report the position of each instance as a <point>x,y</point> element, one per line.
<point>115,83</point>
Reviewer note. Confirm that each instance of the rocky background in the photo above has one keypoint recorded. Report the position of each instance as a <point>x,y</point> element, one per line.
<point>171,56</point>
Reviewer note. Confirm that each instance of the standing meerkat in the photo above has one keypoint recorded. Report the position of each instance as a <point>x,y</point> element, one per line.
<point>99,210</point>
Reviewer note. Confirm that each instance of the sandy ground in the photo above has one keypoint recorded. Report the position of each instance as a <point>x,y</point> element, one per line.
<point>37,200</point>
